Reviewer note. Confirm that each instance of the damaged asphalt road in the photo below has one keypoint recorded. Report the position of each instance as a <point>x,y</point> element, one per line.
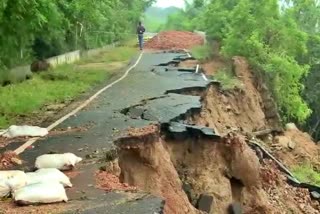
<point>145,96</point>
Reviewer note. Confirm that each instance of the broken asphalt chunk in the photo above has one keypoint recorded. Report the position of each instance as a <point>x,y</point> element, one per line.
<point>180,128</point>
<point>205,203</point>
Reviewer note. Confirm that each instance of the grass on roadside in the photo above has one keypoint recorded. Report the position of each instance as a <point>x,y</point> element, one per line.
<point>305,173</point>
<point>64,83</point>
<point>227,80</point>
<point>202,53</point>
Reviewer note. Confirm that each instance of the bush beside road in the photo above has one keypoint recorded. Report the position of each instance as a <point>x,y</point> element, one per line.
<point>63,84</point>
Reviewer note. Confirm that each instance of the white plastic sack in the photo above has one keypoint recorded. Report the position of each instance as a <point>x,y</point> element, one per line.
<point>25,131</point>
<point>14,179</point>
<point>59,161</point>
<point>48,175</point>
<point>5,188</point>
<point>43,193</point>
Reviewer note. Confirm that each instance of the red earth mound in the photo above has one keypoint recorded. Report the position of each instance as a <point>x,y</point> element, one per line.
<point>174,40</point>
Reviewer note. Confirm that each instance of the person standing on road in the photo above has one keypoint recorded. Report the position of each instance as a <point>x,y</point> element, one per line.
<point>140,32</point>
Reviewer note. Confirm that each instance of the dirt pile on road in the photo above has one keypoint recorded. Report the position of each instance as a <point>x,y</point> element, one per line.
<point>109,182</point>
<point>174,40</point>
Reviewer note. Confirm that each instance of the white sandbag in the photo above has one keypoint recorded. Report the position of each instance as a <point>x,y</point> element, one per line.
<point>11,173</point>
<point>15,179</point>
<point>5,188</point>
<point>59,161</point>
<point>44,193</point>
<point>48,175</point>
<point>25,131</point>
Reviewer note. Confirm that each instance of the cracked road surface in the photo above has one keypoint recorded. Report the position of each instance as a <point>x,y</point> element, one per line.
<point>145,96</point>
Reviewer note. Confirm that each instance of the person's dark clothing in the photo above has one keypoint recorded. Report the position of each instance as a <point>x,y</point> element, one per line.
<point>140,31</point>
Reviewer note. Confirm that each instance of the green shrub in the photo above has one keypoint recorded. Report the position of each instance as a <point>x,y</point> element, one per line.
<point>227,80</point>
<point>305,173</point>
<point>202,53</point>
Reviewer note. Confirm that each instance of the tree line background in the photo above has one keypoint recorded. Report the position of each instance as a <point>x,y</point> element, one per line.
<point>43,28</point>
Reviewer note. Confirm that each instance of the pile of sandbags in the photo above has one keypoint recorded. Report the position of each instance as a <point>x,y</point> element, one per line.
<point>46,185</point>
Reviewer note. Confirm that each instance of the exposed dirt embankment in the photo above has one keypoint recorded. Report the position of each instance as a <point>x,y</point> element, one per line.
<point>146,164</point>
<point>294,147</point>
<point>243,108</point>
<point>218,175</point>
<point>221,169</point>
<point>184,171</point>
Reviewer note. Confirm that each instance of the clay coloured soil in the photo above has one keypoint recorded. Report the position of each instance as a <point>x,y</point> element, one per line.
<point>174,40</point>
<point>9,159</point>
<point>109,182</point>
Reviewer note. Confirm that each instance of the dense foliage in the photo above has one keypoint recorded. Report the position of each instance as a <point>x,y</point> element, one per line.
<point>280,38</point>
<point>48,27</point>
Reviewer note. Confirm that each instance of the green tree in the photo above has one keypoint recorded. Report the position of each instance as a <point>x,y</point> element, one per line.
<point>51,27</point>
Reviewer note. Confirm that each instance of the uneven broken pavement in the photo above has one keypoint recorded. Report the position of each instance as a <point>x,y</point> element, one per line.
<point>168,139</point>
<point>147,95</point>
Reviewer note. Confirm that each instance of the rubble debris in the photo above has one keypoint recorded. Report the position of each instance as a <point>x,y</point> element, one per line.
<point>6,141</point>
<point>72,174</point>
<point>205,203</point>
<point>109,182</point>
<point>112,167</point>
<point>11,208</point>
<point>174,40</point>
<point>284,196</point>
<point>9,159</point>
<point>68,130</point>
<point>235,208</point>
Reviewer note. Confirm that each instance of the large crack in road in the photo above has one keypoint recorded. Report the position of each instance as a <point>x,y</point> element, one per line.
<point>172,150</point>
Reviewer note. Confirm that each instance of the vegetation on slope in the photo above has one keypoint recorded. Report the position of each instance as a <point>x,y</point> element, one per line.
<point>279,38</point>
<point>305,173</point>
